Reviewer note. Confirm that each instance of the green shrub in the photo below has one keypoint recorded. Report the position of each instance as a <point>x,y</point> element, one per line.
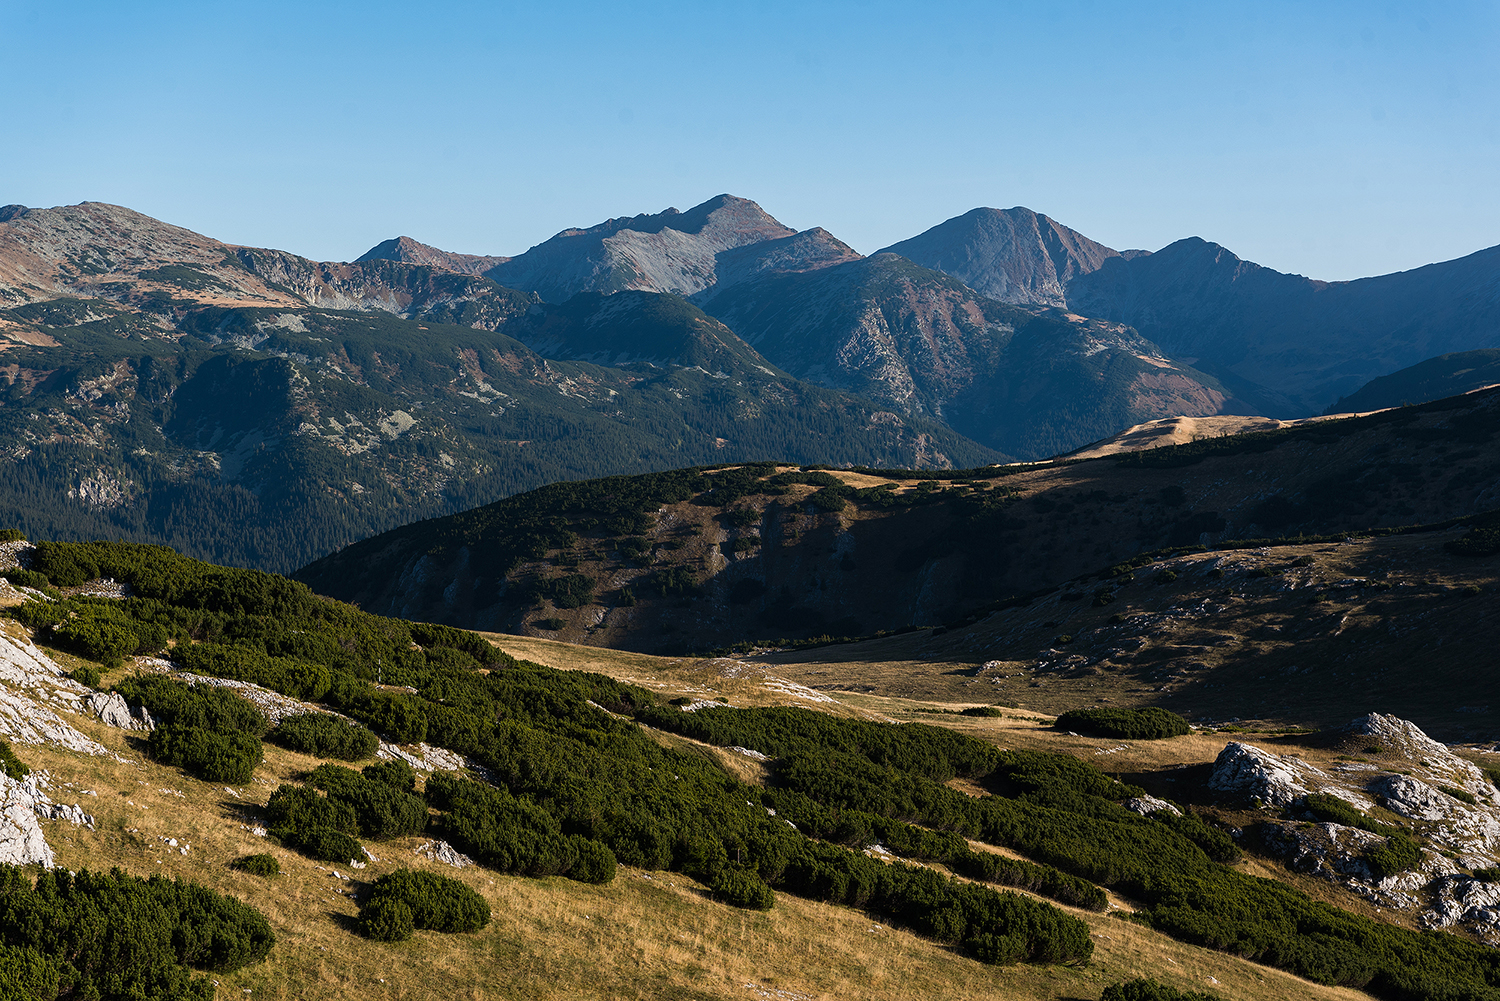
<point>12,765</point>
<point>66,565</point>
<point>395,773</point>
<point>328,845</point>
<point>386,920</point>
<point>214,757</point>
<point>98,639</point>
<point>1335,810</point>
<point>28,975</point>
<point>1150,723</point>
<point>86,674</point>
<point>739,888</point>
<point>570,591</point>
<point>1459,794</point>
<point>1146,989</point>
<point>287,675</point>
<point>985,711</point>
<point>381,810</point>
<point>325,735</point>
<point>1482,538</point>
<point>829,499</point>
<point>116,937</point>
<point>434,903</point>
<point>1490,874</point>
<point>1397,854</point>
<point>552,623</point>
<point>12,535</point>
<point>209,707</point>
<point>307,822</point>
<point>258,865</point>
<point>511,834</point>
<point>27,578</point>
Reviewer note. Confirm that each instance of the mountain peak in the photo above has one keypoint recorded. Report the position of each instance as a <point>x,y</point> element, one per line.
<point>1014,255</point>
<point>669,251</point>
<point>409,251</point>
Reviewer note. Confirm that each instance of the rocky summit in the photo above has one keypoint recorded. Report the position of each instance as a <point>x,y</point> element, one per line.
<point>1013,255</point>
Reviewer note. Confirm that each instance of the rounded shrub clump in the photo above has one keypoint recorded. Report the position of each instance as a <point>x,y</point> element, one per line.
<point>739,888</point>
<point>326,736</point>
<point>86,675</point>
<point>405,900</point>
<point>1150,723</point>
<point>1146,989</point>
<point>258,865</point>
<point>327,845</point>
<point>386,920</point>
<point>214,757</point>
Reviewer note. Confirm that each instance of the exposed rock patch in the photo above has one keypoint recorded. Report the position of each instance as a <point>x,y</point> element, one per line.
<point>1147,805</point>
<point>21,839</point>
<point>113,710</point>
<point>1427,791</point>
<point>26,718</point>
<point>1245,772</point>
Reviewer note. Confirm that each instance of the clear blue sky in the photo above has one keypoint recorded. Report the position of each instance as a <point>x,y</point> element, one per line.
<point>1329,139</point>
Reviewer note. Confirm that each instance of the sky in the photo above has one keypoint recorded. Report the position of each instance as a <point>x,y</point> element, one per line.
<point>1334,140</point>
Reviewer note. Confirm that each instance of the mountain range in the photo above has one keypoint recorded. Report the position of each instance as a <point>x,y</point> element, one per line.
<point>252,405</point>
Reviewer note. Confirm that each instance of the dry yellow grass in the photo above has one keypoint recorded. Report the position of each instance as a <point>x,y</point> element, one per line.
<point>646,935</point>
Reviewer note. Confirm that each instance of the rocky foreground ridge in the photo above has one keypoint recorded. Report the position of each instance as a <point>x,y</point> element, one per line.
<point>1417,787</point>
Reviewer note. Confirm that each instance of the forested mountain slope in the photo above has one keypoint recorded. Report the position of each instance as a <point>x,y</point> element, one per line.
<point>267,437</point>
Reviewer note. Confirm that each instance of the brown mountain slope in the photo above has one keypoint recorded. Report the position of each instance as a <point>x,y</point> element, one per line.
<point>760,555</point>
<point>409,251</point>
<point>113,253</point>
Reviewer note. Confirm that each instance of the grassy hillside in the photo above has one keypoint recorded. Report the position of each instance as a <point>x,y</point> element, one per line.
<point>579,769</point>
<point>702,558</point>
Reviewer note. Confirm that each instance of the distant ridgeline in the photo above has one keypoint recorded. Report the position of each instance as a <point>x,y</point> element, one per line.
<point>696,559</point>
<point>578,787</point>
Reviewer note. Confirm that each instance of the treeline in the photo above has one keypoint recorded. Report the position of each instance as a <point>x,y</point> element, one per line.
<point>114,937</point>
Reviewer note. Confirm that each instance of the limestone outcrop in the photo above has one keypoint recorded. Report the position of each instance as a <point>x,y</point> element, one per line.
<point>1444,803</point>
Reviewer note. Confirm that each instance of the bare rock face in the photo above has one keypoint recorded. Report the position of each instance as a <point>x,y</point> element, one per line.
<point>1147,805</point>
<point>1427,785</point>
<point>28,719</point>
<point>1414,798</point>
<point>21,839</point>
<point>1471,903</point>
<point>112,709</point>
<point>1245,772</point>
